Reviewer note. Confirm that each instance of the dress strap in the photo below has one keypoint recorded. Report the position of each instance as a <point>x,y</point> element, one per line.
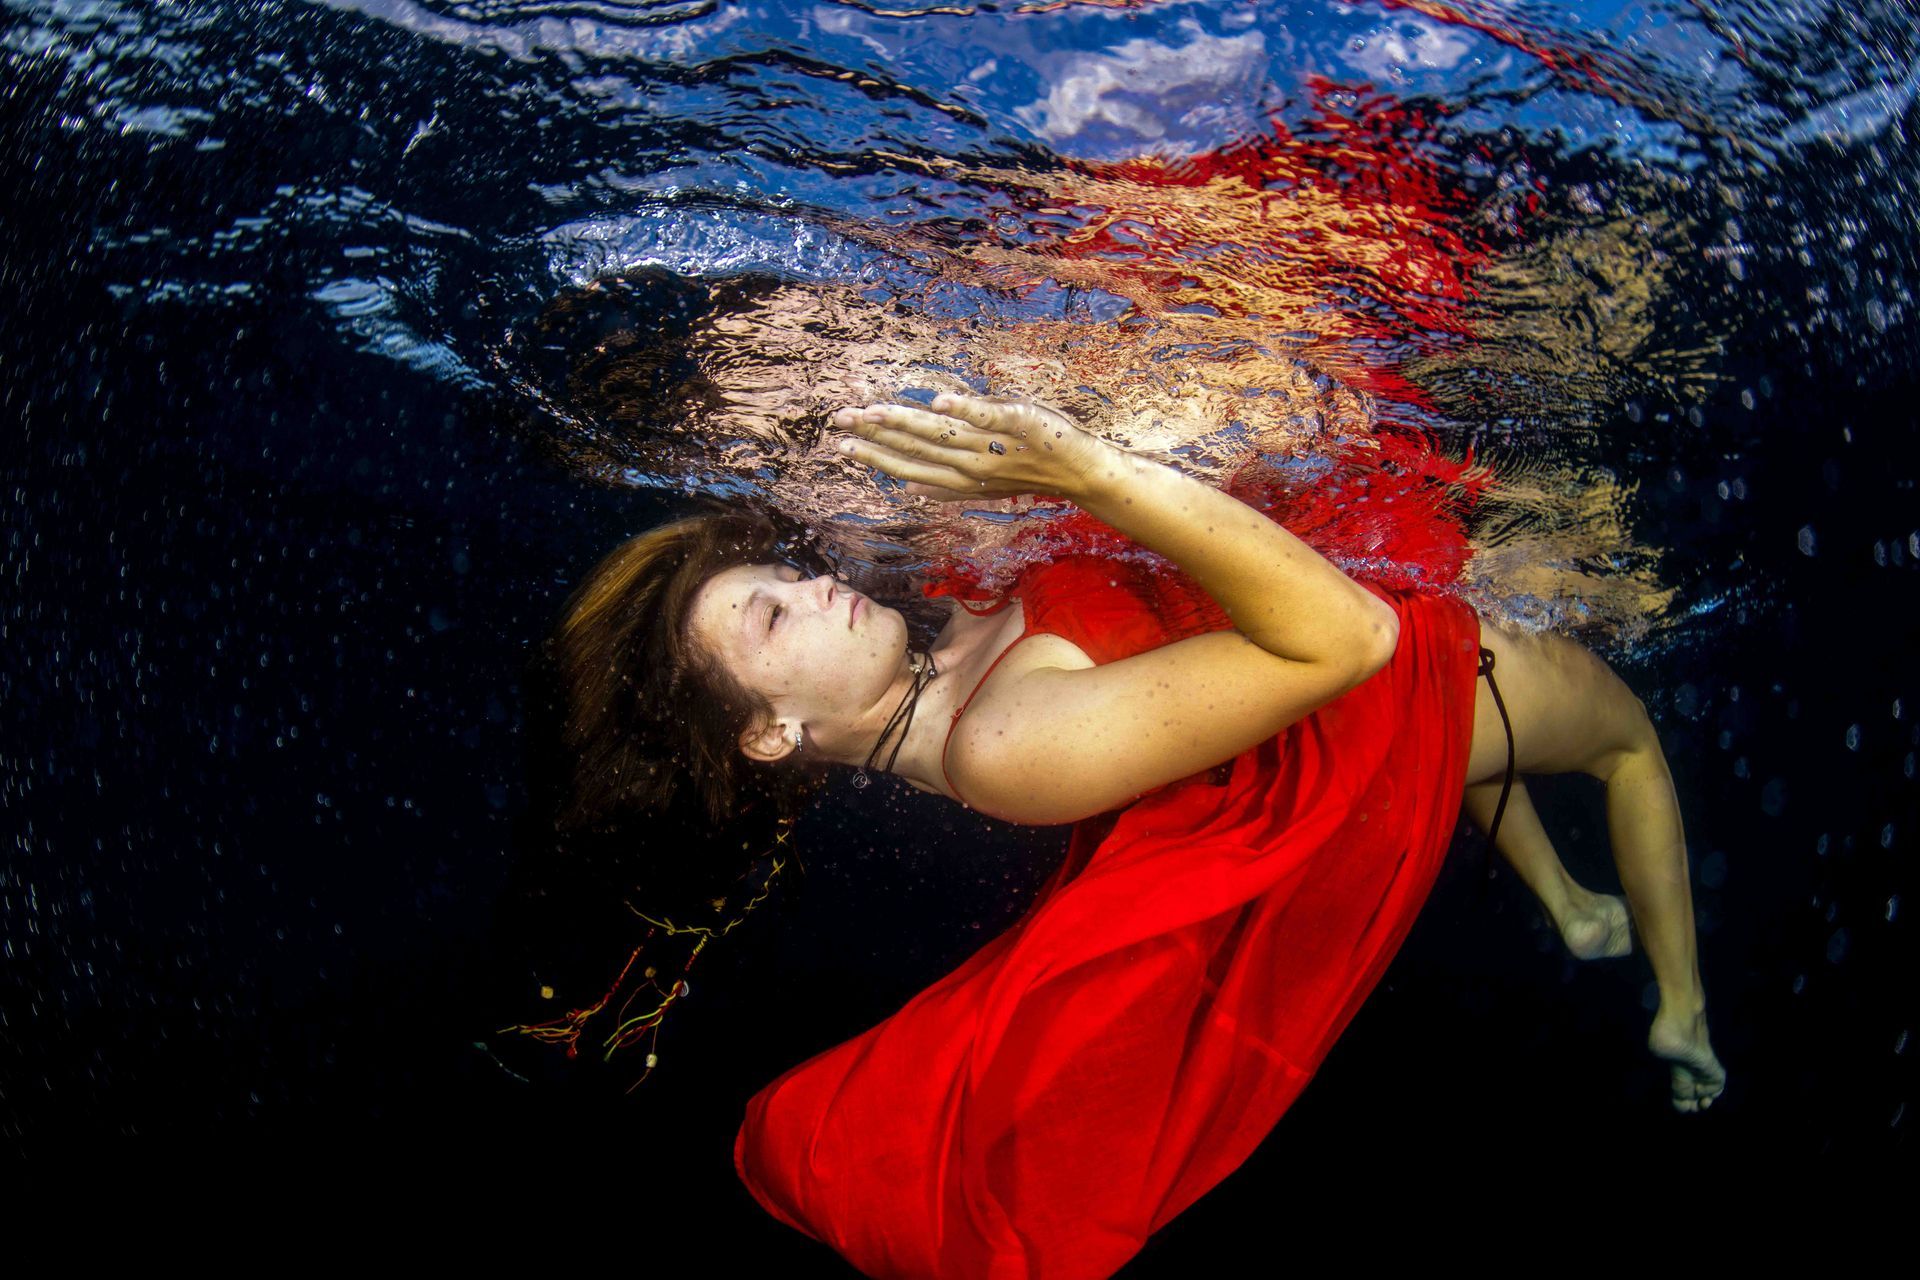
<point>1493,832</point>
<point>955,722</point>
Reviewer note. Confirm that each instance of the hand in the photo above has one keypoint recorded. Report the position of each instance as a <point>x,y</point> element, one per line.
<point>968,448</point>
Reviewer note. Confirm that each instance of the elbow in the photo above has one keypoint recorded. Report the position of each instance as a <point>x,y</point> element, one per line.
<point>1383,638</point>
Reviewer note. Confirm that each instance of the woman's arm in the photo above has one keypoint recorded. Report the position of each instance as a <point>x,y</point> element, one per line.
<point>1062,740</point>
<point>1280,593</point>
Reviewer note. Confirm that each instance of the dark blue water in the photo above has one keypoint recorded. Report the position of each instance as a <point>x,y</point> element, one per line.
<point>285,513</point>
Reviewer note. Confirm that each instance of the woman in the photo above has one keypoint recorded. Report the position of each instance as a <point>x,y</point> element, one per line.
<point>1265,766</point>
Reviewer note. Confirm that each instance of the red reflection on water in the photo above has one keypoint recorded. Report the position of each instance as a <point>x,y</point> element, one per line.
<point>1345,229</point>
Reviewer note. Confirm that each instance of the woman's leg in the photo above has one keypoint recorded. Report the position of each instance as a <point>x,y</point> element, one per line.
<point>1572,714</point>
<point>1650,850</point>
<point>1593,925</point>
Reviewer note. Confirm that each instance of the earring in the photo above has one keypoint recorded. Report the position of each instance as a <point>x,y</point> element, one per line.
<point>797,742</point>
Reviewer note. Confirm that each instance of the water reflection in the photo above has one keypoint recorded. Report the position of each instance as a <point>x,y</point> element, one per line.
<point>1213,233</point>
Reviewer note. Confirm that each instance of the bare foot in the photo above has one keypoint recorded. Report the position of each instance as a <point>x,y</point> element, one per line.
<point>1597,927</point>
<point>1681,1040</point>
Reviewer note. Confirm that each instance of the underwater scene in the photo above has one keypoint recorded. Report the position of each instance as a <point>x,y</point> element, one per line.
<point>342,339</point>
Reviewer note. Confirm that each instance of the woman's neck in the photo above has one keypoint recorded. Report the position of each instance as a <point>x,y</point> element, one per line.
<point>962,652</point>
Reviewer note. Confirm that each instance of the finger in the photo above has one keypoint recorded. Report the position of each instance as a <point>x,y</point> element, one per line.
<point>947,448</point>
<point>1001,417</point>
<point>912,470</point>
<point>934,427</point>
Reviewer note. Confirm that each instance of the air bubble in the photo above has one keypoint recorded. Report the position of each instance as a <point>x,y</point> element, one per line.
<point>1686,700</point>
<point>1837,946</point>
<point>1773,797</point>
<point>1713,869</point>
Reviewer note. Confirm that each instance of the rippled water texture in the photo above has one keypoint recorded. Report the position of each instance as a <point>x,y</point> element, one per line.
<point>1212,231</point>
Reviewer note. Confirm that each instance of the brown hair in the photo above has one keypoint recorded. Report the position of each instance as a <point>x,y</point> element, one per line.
<point>646,713</point>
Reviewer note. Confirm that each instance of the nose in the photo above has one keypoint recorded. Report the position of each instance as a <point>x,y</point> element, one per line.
<point>828,588</point>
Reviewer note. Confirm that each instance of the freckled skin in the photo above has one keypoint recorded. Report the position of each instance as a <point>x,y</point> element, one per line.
<point>796,647</point>
<point>1569,714</point>
<point>840,685</point>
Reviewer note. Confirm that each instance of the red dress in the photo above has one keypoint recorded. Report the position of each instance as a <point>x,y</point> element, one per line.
<point>1092,1071</point>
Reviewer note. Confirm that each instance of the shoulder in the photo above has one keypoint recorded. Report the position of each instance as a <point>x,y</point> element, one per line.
<point>1056,741</point>
<point>1008,688</point>
<point>1005,687</point>
<point>1005,701</point>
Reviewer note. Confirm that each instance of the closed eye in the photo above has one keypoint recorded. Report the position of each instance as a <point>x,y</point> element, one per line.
<point>773,614</point>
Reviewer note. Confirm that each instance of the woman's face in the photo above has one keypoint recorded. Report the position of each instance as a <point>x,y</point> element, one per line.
<point>820,652</point>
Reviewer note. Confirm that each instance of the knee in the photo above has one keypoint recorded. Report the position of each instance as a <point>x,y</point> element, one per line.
<point>1640,731</point>
<point>1633,738</point>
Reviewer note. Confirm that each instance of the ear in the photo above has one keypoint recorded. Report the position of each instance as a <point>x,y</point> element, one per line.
<point>767,746</point>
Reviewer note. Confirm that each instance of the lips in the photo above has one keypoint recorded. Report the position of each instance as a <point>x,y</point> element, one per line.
<point>853,611</point>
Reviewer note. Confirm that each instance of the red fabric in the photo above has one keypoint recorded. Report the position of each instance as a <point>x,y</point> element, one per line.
<point>1085,1076</point>
<point>1385,508</point>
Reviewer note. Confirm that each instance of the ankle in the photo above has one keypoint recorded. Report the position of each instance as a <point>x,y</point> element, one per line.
<point>1564,897</point>
<point>1574,902</point>
<point>1682,1006</point>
